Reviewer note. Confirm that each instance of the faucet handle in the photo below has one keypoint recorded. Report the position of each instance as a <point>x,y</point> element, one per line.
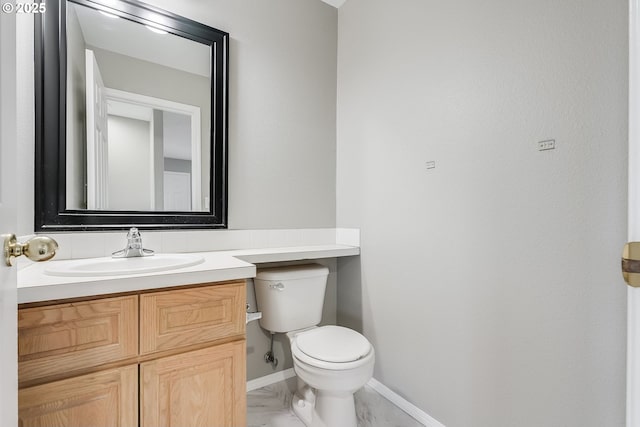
<point>133,233</point>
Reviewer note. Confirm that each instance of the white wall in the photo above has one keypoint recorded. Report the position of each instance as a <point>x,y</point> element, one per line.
<point>490,285</point>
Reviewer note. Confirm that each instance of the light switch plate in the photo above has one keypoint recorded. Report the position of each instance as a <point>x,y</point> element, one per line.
<point>549,144</point>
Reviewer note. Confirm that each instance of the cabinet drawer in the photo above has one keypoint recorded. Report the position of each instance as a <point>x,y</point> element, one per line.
<point>63,338</point>
<point>183,317</point>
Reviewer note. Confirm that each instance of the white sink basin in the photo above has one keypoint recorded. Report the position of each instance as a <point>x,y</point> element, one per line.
<point>121,266</point>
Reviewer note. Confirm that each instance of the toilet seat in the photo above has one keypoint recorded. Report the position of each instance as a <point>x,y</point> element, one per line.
<point>333,344</point>
<point>332,348</point>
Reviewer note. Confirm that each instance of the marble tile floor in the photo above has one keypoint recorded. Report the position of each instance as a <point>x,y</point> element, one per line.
<point>271,407</point>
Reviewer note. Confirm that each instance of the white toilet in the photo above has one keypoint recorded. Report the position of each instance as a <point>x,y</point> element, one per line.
<point>331,362</point>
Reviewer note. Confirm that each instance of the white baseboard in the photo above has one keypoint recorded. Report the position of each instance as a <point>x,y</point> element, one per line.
<point>276,377</point>
<point>408,407</point>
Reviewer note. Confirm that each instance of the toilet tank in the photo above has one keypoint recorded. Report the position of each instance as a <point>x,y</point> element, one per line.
<point>292,297</point>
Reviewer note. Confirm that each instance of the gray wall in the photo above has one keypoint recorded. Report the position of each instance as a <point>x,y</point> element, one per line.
<point>158,159</point>
<point>282,108</point>
<point>490,285</point>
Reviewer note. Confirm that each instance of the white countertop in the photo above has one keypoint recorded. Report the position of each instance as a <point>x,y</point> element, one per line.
<point>34,285</point>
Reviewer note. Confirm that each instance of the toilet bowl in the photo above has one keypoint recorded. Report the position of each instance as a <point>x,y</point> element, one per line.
<point>331,362</point>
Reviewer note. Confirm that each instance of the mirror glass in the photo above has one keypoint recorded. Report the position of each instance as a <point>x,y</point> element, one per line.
<point>130,118</point>
<point>138,116</point>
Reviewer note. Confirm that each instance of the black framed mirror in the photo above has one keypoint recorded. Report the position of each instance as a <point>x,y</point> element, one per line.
<point>131,118</point>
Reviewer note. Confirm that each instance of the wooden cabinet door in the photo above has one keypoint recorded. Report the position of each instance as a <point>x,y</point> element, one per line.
<point>202,388</point>
<point>105,399</point>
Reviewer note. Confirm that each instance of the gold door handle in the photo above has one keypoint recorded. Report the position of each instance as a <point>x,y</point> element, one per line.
<point>40,248</point>
<point>631,264</point>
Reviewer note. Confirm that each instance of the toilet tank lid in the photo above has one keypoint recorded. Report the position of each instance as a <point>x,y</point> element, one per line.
<point>292,272</point>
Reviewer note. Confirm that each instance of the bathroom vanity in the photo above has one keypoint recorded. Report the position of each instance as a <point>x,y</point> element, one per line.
<point>170,357</point>
<point>162,348</point>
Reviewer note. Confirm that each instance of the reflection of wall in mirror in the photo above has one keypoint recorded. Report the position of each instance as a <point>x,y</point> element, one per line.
<point>158,159</point>
<point>130,183</point>
<point>176,162</point>
<point>76,113</point>
<point>158,81</point>
<point>172,160</point>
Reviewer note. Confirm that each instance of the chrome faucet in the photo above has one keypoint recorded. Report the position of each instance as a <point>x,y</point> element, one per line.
<point>134,246</point>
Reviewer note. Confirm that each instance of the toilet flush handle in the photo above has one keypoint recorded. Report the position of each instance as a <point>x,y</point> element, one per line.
<point>277,286</point>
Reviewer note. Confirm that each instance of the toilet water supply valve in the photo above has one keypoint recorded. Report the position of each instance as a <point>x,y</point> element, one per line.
<point>269,357</point>
<point>255,315</point>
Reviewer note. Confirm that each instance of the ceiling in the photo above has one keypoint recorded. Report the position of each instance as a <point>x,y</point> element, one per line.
<point>115,35</point>
<point>335,3</point>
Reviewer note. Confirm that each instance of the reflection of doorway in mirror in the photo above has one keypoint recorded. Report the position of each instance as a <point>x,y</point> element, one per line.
<point>147,137</point>
<point>149,159</point>
<point>97,137</point>
<point>173,144</point>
